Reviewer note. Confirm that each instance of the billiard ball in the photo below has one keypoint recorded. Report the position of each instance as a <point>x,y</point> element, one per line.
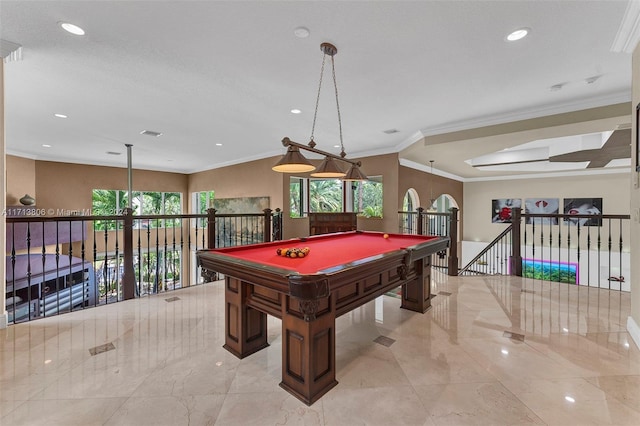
<point>385,236</point>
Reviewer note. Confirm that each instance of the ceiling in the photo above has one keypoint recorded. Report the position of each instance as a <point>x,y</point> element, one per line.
<point>218,79</point>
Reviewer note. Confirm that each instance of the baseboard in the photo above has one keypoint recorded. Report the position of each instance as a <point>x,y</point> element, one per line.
<point>634,331</point>
<point>4,320</point>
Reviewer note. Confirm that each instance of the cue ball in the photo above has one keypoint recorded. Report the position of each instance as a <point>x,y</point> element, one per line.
<point>385,236</point>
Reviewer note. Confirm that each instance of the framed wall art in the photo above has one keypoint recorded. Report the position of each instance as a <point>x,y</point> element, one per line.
<point>501,209</point>
<point>542,206</point>
<point>583,206</point>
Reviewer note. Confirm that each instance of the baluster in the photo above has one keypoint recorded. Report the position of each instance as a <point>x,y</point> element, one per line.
<point>609,246</point>
<point>153,288</point>
<point>69,277</point>
<point>140,280</point>
<point>164,264</point>
<point>82,256</point>
<point>29,268</point>
<point>43,288</point>
<point>589,256</point>
<point>568,252</point>
<point>196,237</point>
<point>579,230</point>
<point>620,254</point>
<point>57,249</point>
<point>105,268</point>
<point>173,257</point>
<point>156,282</point>
<point>13,268</point>
<point>117,262</point>
<point>598,246</point>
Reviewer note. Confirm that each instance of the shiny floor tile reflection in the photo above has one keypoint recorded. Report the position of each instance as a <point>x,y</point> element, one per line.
<point>492,350</point>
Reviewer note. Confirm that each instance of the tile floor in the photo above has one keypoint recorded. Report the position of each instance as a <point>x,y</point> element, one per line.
<point>492,350</point>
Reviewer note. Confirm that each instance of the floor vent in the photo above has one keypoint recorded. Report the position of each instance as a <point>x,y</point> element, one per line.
<point>384,341</point>
<point>102,348</point>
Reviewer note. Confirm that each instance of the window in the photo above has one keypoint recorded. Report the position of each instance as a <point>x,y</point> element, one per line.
<point>366,197</point>
<point>296,197</point>
<point>106,202</point>
<point>335,195</point>
<point>201,202</point>
<point>325,195</point>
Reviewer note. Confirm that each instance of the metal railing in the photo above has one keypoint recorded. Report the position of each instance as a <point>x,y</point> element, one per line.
<point>494,259</point>
<point>592,250</point>
<point>440,224</point>
<point>66,263</point>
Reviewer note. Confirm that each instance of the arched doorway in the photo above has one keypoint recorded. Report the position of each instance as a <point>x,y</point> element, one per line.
<point>411,201</point>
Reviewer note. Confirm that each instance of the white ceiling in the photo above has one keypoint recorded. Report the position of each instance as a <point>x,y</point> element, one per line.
<point>229,72</point>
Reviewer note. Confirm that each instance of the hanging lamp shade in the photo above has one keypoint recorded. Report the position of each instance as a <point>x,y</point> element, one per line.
<point>355,174</point>
<point>293,162</point>
<point>328,169</point>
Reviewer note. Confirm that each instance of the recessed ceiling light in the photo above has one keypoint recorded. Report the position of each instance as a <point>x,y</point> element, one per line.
<point>73,29</point>
<point>301,32</point>
<point>150,133</point>
<point>570,399</point>
<point>518,34</point>
<point>592,80</point>
<point>556,87</point>
<point>390,131</point>
<point>295,111</point>
<point>336,146</point>
<point>60,115</point>
<point>46,145</point>
<point>113,153</point>
<point>218,144</point>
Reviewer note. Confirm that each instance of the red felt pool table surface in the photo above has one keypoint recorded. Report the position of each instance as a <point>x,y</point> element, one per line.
<point>325,251</point>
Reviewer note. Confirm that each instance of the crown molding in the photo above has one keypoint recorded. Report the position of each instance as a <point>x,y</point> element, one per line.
<point>601,101</point>
<point>629,31</point>
<point>427,169</point>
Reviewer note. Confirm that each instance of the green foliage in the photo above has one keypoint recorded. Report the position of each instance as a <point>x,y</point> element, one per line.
<point>372,211</point>
<point>295,197</point>
<point>367,197</point>
<point>106,202</point>
<point>325,195</point>
<point>549,271</point>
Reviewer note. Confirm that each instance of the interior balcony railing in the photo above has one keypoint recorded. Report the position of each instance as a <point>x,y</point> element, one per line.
<point>586,250</point>
<point>62,264</point>
<point>442,224</point>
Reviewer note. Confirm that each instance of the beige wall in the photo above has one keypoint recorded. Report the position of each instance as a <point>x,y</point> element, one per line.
<point>634,321</point>
<point>477,226</point>
<point>66,186</point>
<point>21,179</point>
<point>428,186</point>
<point>252,179</point>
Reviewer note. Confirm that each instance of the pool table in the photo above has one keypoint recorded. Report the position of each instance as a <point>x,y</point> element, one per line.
<point>341,272</point>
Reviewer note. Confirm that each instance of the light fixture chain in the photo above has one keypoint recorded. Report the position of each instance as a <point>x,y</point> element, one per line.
<point>335,86</point>
<point>315,113</point>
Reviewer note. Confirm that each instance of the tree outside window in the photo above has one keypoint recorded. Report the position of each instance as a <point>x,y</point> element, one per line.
<point>367,197</point>
<point>325,195</point>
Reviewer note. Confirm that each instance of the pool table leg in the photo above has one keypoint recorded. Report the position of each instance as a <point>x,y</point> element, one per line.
<point>416,294</point>
<point>308,354</point>
<point>245,327</point>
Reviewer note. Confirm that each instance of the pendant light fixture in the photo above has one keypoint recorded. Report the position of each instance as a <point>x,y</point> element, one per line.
<point>294,162</point>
